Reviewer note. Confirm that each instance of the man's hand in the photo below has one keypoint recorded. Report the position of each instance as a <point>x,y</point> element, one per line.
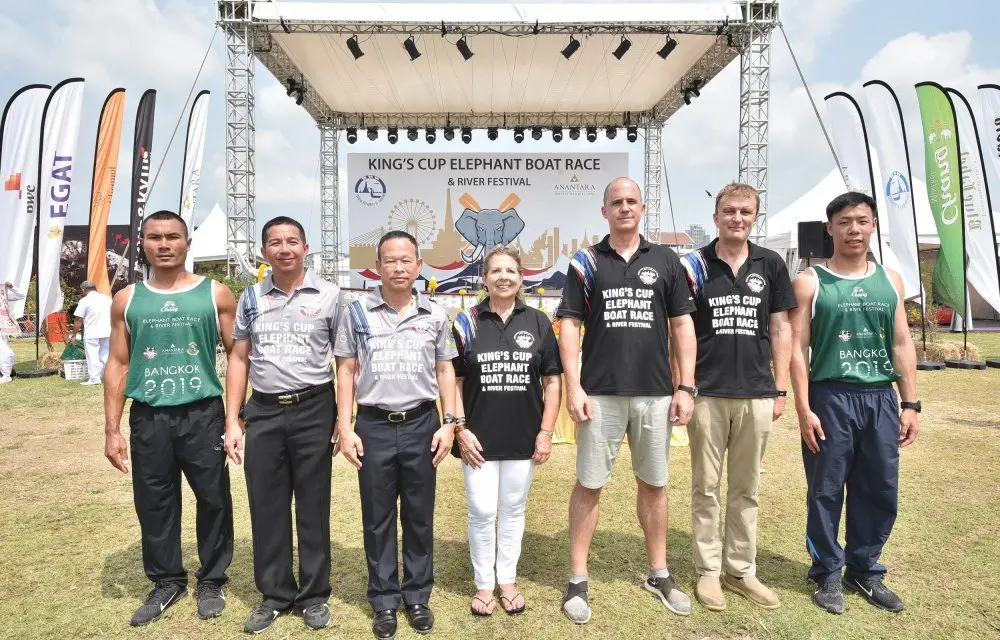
<point>578,405</point>
<point>350,445</point>
<point>234,441</point>
<point>811,430</point>
<point>441,443</point>
<point>779,407</point>
<point>908,427</point>
<point>543,447</point>
<point>470,448</point>
<point>335,440</point>
<point>681,407</point>
<point>116,451</point>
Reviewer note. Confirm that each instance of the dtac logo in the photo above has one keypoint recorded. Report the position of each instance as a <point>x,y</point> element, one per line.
<point>897,189</point>
<point>62,167</point>
<point>370,190</point>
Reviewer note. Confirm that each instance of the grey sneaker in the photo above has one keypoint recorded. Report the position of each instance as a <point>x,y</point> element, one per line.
<point>575,604</point>
<point>316,616</point>
<point>668,593</point>
<point>261,619</point>
<point>830,597</point>
<point>163,595</point>
<point>211,600</point>
<point>875,592</point>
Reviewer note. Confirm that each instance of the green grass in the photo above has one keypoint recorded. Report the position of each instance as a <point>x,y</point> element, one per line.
<point>69,540</point>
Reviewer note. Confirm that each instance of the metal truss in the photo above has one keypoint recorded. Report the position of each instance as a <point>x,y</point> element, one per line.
<point>654,178</point>
<point>761,18</point>
<point>241,223</point>
<point>517,30</point>
<point>329,209</point>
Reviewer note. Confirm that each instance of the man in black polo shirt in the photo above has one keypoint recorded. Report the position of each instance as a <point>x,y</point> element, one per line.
<point>630,294</point>
<point>743,294</point>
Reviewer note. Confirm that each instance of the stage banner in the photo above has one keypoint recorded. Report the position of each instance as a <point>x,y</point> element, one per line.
<point>20,135</point>
<point>60,133</point>
<point>109,133</point>
<point>980,241</point>
<point>141,151</point>
<point>899,217</point>
<point>944,190</point>
<point>194,150</point>
<point>459,206</point>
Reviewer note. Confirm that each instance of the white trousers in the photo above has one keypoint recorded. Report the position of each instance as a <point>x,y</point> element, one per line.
<point>6,357</point>
<point>97,356</point>
<point>498,488</point>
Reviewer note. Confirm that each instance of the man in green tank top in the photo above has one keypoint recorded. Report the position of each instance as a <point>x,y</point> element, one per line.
<point>164,334</point>
<point>851,342</point>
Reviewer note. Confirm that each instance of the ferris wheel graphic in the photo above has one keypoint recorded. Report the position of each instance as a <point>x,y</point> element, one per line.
<point>415,217</point>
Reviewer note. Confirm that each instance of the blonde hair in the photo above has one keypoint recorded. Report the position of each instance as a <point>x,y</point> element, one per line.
<point>738,189</point>
<point>502,250</point>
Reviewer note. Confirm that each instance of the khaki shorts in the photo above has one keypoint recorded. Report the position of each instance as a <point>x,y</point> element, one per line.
<point>646,421</point>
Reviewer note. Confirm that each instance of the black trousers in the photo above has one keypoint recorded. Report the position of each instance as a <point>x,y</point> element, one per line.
<point>288,452</point>
<point>398,464</point>
<point>166,441</point>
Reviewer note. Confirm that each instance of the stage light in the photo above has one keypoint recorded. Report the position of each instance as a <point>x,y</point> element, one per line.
<point>492,133</point>
<point>300,95</point>
<point>668,48</point>
<point>571,48</point>
<point>430,135</point>
<point>536,133</point>
<point>449,134</point>
<point>373,133</point>
<point>632,133</point>
<point>623,48</point>
<point>463,48</point>
<point>412,134</point>
<point>591,134</point>
<point>352,135</point>
<point>574,133</point>
<point>466,135</point>
<point>410,44</point>
<point>354,47</point>
<point>292,86</point>
<point>557,134</point>
<point>392,135</point>
<point>519,134</point>
<point>610,132</point>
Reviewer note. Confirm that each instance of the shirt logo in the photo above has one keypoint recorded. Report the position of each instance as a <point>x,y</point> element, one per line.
<point>648,275</point>
<point>524,339</point>
<point>755,282</point>
<point>149,353</point>
<point>309,312</point>
<point>859,292</point>
<point>192,349</point>
<point>865,332</point>
<point>168,307</point>
<point>844,335</point>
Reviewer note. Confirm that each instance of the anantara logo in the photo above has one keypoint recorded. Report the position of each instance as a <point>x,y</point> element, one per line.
<point>574,187</point>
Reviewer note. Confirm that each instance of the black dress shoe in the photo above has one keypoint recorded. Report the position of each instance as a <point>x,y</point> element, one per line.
<point>384,624</point>
<point>421,617</point>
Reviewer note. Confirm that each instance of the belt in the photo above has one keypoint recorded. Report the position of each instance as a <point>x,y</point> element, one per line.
<point>396,416</point>
<point>292,397</point>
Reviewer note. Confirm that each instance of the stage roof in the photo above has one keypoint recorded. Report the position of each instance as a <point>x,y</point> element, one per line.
<point>517,75</point>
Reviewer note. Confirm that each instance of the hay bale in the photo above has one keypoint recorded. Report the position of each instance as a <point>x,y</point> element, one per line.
<point>941,350</point>
<point>50,360</point>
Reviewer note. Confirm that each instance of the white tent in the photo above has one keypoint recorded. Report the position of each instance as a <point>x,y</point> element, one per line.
<point>208,241</point>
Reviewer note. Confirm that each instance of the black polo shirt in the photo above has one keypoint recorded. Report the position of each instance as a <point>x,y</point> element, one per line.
<point>502,365</point>
<point>624,307</point>
<point>733,319</point>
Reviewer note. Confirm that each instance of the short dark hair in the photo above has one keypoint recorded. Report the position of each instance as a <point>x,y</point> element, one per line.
<point>163,214</point>
<point>850,200</point>
<point>395,235</point>
<point>273,222</point>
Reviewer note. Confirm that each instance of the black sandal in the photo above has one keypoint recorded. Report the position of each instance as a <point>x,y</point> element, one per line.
<point>482,614</point>
<point>510,601</point>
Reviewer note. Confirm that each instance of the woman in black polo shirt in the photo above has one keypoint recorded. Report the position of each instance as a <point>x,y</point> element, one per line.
<point>508,372</point>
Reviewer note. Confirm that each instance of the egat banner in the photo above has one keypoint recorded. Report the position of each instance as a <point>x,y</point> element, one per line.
<point>459,206</point>
<point>109,132</point>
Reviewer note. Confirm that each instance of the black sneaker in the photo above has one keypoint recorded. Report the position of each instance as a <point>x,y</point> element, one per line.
<point>159,599</point>
<point>261,619</point>
<point>211,600</point>
<point>875,592</point>
<point>316,616</point>
<point>830,597</point>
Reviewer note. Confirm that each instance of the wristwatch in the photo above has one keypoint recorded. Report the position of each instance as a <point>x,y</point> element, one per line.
<point>692,390</point>
<point>915,405</point>
<point>781,394</point>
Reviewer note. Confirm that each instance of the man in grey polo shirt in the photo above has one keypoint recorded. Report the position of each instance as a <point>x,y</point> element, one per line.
<point>394,350</point>
<point>284,331</point>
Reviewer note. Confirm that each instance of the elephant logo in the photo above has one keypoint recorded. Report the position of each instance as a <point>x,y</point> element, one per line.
<point>486,228</point>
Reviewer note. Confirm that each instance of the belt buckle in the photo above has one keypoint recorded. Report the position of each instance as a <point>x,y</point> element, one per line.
<point>399,416</point>
<point>287,399</point>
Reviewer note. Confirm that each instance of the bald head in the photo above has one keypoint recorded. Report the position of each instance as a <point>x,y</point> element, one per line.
<point>623,181</point>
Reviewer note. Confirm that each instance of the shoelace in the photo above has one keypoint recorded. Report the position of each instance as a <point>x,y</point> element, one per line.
<point>210,589</point>
<point>160,594</point>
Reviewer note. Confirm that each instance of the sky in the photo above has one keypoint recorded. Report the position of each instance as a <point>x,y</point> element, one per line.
<point>160,44</point>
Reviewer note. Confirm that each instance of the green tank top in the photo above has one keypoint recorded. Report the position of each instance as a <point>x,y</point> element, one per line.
<point>172,340</point>
<point>852,328</point>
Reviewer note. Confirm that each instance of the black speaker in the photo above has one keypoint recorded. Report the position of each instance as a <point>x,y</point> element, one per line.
<point>814,241</point>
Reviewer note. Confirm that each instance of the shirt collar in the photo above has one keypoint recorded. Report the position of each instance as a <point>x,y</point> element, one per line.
<point>604,246</point>
<point>484,306</point>
<point>375,300</point>
<point>310,281</point>
<point>754,252</point>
